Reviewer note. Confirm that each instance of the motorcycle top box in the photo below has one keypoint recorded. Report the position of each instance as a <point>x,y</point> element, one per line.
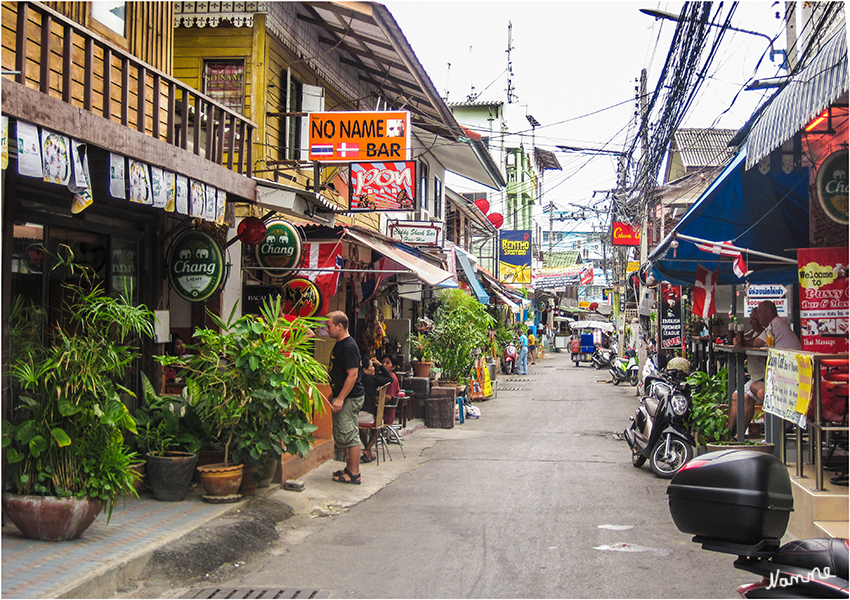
<point>736,497</point>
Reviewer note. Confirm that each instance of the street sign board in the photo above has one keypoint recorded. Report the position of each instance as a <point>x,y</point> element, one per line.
<point>351,136</point>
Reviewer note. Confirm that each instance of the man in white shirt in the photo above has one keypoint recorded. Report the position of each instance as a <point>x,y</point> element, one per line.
<point>778,334</point>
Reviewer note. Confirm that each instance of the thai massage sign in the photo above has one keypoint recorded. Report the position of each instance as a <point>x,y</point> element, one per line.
<point>788,385</point>
<point>626,234</point>
<point>195,266</point>
<point>832,186</point>
<point>824,303</point>
<point>350,136</point>
<point>382,186</point>
<point>515,256</point>
<point>280,252</point>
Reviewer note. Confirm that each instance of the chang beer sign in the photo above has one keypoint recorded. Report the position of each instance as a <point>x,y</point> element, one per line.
<point>280,252</point>
<point>196,266</point>
<point>832,186</point>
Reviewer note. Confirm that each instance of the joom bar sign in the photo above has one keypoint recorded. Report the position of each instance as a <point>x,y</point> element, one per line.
<point>382,186</point>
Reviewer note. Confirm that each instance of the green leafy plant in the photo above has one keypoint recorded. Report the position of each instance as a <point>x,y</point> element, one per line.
<point>65,437</point>
<point>420,347</point>
<point>461,327</point>
<point>254,383</point>
<point>708,418</point>
<point>163,424</point>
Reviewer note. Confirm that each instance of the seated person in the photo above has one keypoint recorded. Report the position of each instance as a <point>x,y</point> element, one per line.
<point>373,376</point>
<point>391,364</point>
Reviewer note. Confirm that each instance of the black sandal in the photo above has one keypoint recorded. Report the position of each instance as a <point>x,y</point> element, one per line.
<point>352,478</point>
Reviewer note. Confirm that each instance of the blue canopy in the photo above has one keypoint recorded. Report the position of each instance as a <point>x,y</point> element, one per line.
<point>768,213</point>
<point>480,293</point>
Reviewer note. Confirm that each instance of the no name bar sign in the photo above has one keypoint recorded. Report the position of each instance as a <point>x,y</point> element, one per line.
<point>353,136</point>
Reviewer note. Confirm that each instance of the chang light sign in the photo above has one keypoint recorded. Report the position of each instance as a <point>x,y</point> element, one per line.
<point>196,266</point>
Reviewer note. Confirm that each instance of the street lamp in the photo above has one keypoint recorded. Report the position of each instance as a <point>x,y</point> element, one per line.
<point>660,14</point>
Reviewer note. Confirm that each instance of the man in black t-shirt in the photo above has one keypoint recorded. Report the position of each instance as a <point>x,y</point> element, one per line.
<point>347,396</point>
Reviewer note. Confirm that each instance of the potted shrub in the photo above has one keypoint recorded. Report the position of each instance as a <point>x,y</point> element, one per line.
<point>420,352</point>
<point>252,381</point>
<point>461,327</point>
<point>65,447</point>
<point>709,417</point>
<point>167,443</point>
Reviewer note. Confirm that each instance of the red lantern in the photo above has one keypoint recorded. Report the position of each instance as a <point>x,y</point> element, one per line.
<point>496,219</point>
<point>251,230</point>
<point>483,205</point>
<point>594,305</point>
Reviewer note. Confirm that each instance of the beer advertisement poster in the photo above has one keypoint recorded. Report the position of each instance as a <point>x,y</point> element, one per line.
<point>823,299</point>
<point>382,186</point>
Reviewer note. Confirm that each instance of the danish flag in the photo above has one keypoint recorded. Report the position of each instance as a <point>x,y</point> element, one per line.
<point>704,292</point>
<point>726,249</point>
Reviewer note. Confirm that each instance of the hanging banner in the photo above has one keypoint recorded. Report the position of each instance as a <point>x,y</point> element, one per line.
<point>348,136</point>
<point>280,253</point>
<point>160,195</point>
<point>56,157</point>
<point>197,198</point>
<point>670,313</point>
<point>382,186</point>
<point>140,182</point>
<point>195,266</point>
<point>80,183</point>
<point>824,303</point>
<point>29,150</point>
<point>169,182</point>
<point>515,256</point>
<point>788,385</point>
<point>181,194</point>
<point>4,142</point>
<point>117,185</point>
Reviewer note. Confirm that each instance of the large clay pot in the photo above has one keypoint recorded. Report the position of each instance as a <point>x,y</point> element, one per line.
<point>170,475</point>
<point>249,481</point>
<point>138,468</point>
<point>421,369</point>
<point>757,447</point>
<point>221,481</point>
<point>50,518</point>
<point>270,464</point>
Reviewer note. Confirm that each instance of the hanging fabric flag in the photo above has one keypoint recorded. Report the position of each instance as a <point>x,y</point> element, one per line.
<point>721,248</point>
<point>159,193</point>
<point>181,194</point>
<point>197,197</point>
<point>80,183</point>
<point>323,255</point>
<point>365,284</point>
<point>168,180</point>
<point>29,150</point>
<point>140,183</point>
<point>704,292</point>
<point>117,184</point>
<point>740,267</point>
<point>220,206</point>
<point>4,142</point>
<point>55,157</point>
<point>586,276</point>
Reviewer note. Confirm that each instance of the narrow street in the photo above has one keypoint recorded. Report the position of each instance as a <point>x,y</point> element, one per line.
<point>527,501</point>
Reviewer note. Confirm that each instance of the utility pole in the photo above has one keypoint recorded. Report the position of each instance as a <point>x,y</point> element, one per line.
<point>510,64</point>
<point>551,229</point>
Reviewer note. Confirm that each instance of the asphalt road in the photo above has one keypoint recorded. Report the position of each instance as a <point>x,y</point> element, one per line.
<point>536,499</point>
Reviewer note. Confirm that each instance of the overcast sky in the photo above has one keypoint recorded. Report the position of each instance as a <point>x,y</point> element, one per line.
<point>575,66</point>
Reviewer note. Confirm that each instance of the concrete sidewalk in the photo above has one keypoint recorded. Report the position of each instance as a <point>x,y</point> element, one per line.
<point>107,557</point>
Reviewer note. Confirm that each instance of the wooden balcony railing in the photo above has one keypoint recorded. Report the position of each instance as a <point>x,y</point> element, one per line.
<point>60,58</point>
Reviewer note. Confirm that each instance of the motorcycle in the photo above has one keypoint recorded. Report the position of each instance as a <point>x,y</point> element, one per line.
<point>739,503</point>
<point>509,359</point>
<point>651,375</point>
<point>625,369</point>
<point>602,357</point>
<point>658,431</point>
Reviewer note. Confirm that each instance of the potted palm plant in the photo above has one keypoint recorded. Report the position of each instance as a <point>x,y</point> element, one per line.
<point>64,444</point>
<point>252,381</point>
<point>168,443</point>
<point>420,352</point>
<point>461,327</point>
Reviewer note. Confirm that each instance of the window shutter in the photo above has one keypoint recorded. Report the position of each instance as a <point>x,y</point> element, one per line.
<point>312,100</point>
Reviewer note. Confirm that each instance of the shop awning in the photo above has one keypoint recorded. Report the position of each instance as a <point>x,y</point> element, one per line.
<point>469,271</point>
<point>768,213</point>
<point>294,202</point>
<point>807,94</point>
<point>426,272</point>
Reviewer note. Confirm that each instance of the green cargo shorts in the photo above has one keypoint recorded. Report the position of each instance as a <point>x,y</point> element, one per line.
<point>346,433</point>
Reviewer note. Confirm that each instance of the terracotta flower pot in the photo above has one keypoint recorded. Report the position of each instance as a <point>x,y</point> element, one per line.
<point>758,447</point>
<point>421,369</point>
<point>140,469</point>
<point>50,518</point>
<point>249,481</point>
<point>221,481</point>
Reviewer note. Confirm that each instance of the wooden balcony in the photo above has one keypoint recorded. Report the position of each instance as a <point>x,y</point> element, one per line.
<point>49,54</point>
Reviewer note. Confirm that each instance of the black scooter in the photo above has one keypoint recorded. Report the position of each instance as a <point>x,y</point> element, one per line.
<point>658,431</point>
<point>739,503</point>
<point>603,357</point>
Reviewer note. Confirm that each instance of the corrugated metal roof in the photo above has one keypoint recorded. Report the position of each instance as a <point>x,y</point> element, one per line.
<point>565,259</point>
<point>810,91</point>
<point>703,147</point>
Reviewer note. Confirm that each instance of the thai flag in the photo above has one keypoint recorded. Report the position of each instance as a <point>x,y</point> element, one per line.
<point>322,149</point>
<point>327,256</point>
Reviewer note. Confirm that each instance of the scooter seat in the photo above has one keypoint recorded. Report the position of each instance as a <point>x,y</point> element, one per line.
<point>820,553</point>
<point>651,406</point>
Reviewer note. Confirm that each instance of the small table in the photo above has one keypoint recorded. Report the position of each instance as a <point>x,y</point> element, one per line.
<point>736,357</point>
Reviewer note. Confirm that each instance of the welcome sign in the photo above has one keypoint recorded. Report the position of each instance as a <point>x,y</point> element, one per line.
<point>195,266</point>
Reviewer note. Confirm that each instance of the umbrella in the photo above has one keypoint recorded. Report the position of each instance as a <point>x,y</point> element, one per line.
<point>592,325</point>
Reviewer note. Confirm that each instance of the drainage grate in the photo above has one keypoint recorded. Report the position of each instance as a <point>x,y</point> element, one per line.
<point>249,592</point>
<point>511,389</point>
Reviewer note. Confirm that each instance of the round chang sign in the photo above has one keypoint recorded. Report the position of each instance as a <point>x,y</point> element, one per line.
<point>195,266</point>
<point>280,251</point>
<point>832,186</point>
